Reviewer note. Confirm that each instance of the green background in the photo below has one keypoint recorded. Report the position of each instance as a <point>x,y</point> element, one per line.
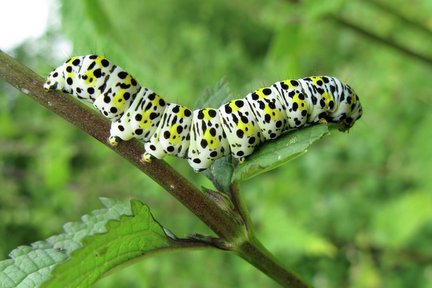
<point>355,211</point>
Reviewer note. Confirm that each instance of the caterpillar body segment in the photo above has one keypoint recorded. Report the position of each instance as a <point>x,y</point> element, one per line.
<point>208,141</point>
<point>269,111</point>
<point>172,134</point>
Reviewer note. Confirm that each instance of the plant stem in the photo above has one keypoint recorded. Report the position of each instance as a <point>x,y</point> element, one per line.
<point>414,22</point>
<point>386,41</point>
<point>240,206</point>
<point>256,254</point>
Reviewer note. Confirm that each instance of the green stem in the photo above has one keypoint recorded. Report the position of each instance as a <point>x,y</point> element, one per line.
<point>414,22</point>
<point>240,206</point>
<point>257,255</point>
<point>382,40</point>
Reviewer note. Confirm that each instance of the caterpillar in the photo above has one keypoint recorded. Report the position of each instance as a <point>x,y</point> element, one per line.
<point>207,134</point>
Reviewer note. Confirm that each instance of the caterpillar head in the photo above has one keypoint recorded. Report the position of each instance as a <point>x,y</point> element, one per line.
<point>55,80</point>
<point>348,120</point>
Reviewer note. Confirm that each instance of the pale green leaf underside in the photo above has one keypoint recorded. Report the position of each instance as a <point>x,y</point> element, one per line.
<point>276,153</point>
<point>91,250</point>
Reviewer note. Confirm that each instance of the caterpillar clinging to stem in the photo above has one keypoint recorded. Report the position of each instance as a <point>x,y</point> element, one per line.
<point>203,135</point>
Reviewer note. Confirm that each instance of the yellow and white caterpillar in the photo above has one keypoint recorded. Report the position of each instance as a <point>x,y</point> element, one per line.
<point>203,135</point>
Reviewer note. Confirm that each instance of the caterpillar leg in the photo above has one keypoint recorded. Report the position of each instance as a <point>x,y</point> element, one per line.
<point>113,141</point>
<point>146,158</point>
<point>121,130</point>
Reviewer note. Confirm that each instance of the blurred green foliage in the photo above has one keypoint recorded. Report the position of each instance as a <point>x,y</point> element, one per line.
<point>355,211</point>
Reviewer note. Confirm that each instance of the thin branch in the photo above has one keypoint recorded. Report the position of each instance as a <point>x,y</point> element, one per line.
<point>256,254</point>
<point>403,18</point>
<point>386,41</point>
<point>240,206</point>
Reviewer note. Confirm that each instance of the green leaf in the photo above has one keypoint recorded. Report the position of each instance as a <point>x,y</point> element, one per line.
<point>220,173</point>
<point>278,152</point>
<point>127,238</point>
<point>128,231</point>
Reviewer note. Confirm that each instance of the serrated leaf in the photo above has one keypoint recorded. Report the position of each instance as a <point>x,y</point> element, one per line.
<point>275,153</point>
<point>127,238</point>
<point>31,266</point>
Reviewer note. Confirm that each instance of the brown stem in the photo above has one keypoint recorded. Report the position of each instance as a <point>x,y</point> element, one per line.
<point>256,254</point>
